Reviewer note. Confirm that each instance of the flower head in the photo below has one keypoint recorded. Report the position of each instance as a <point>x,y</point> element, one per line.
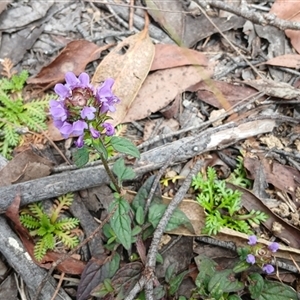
<point>268,268</point>
<point>252,240</point>
<point>273,247</point>
<point>110,130</point>
<point>250,259</point>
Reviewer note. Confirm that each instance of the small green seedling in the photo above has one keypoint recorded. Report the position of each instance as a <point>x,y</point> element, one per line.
<point>222,205</point>
<point>16,116</point>
<point>49,230</point>
<point>239,176</point>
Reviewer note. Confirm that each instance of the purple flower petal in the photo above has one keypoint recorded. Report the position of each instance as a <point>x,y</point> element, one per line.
<point>66,130</point>
<point>80,142</point>
<point>252,240</point>
<point>273,247</point>
<point>62,91</point>
<point>88,112</point>
<point>57,110</point>
<point>95,133</point>
<point>268,269</point>
<point>58,123</point>
<point>250,259</point>
<point>105,89</point>
<point>84,79</point>
<point>110,129</point>
<point>71,80</point>
<point>78,127</point>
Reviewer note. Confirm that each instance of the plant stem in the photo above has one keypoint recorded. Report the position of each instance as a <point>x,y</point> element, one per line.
<point>110,174</point>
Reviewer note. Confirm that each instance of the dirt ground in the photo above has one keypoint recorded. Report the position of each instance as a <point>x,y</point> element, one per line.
<point>202,84</point>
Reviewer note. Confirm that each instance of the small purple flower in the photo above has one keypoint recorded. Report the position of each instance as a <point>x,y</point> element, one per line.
<point>78,127</point>
<point>66,130</point>
<point>95,133</point>
<point>110,130</point>
<point>62,91</point>
<point>106,98</point>
<point>250,259</point>
<point>71,80</point>
<point>88,112</point>
<point>57,110</point>
<point>58,123</point>
<point>80,142</point>
<point>252,240</point>
<point>268,269</point>
<point>84,80</point>
<point>273,247</point>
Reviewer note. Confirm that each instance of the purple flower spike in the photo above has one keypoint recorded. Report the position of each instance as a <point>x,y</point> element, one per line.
<point>57,110</point>
<point>78,127</point>
<point>80,142</point>
<point>250,259</point>
<point>110,130</point>
<point>62,91</point>
<point>66,130</point>
<point>95,133</point>
<point>88,112</point>
<point>252,240</point>
<point>273,247</point>
<point>71,80</point>
<point>268,269</point>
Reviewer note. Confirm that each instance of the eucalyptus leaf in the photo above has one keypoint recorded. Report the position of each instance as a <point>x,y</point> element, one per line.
<point>123,145</point>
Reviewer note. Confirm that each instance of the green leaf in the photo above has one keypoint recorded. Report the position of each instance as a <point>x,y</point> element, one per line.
<point>113,265</point>
<point>123,145</point>
<point>256,285</point>
<point>206,267</point>
<point>81,157</point>
<point>178,218</point>
<point>176,282</point>
<point>224,282</point>
<point>139,215</point>
<point>277,291</point>
<point>123,172</point>
<point>121,223</point>
<point>234,297</point>
<point>241,266</point>
<point>170,272</point>
<point>136,230</point>
<point>159,258</point>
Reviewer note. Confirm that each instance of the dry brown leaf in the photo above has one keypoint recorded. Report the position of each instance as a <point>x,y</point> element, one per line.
<point>287,60</point>
<point>23,167</point>
<point>289,10</point>
<point>170,56</point>
<point>162,87</point>
<point>128,64</point>
<point>74,57</point>
<point>232,93</point>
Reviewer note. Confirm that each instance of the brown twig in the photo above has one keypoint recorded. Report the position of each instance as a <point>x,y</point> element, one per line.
<point>62,275</point>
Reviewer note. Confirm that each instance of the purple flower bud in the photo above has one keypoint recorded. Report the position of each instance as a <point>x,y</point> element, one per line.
<point>250,259</point>
<point>273,247</point>
<point>62,91</point>
<point>268,269</point>
<point>95,133</point>
<point>57,110</point>
<point>110,130</point>
<point>252,240</point>
<point>78,127</point>
<point>80,142</point>
<point>88,112</point>
<point>66,130</point>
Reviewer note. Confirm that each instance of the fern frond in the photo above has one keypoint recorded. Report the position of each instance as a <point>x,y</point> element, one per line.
<point>62,203</point>
<point>19,80</point>
<point>33,122</point>
<point>29,222</point>
<point>10,135</point>
<point>40,249</point>
<point>49,241</point>
<point>37,210</point>
<point>68,240</point>
<point>66,224</point>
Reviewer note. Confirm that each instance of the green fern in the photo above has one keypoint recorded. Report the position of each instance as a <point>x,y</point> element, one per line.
<point>48,229</point>
<point>15,115</point>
